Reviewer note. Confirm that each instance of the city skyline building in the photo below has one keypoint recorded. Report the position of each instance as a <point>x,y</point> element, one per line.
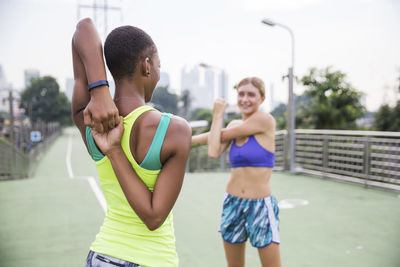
<point>3,90</point>
<point>204,84</point>
<point>30,74</point>
<point>207,92</point>
<point>69,88</point>
<point>273,102</point>
<point>3,80</point>
<point>164,80</point>
<point>223,82</point>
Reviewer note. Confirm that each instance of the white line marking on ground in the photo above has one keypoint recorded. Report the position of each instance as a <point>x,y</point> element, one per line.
<point>68,158</point>
<point>291,203</point>
<point>92,182</point>
<point>98,193</point>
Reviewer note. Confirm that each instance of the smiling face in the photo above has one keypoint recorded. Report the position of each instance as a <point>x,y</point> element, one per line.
<point>249,99</point>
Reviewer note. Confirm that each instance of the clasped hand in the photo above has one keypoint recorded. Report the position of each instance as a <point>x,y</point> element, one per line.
<point>101,112</point>
<point>111,140</point>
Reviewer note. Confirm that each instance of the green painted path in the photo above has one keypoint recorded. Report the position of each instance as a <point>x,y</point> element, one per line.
<point>51,219</point>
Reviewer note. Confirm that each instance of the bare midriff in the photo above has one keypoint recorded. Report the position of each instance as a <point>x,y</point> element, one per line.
<point>250,182</point>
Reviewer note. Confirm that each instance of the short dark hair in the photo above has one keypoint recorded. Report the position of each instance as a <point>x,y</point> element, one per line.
<point>125,46</point>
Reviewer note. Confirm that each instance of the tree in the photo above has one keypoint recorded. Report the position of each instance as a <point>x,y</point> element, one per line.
<point>42,100</point>
<point>333,102</point>
<point>163,98</point>
<point>279,114</point>
<point>203,114</point>
<point>186,100</point>
<point>387,118</point>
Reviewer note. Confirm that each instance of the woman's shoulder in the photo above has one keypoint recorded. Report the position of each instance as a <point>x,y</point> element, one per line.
<point>234,123</point>
<point>263,117</point>
<point>176,125</point>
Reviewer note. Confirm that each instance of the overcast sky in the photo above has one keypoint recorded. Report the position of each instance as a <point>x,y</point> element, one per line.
<point>358,37</point>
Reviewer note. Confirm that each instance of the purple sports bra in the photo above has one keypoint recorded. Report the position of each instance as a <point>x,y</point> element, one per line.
<point>250,154</point>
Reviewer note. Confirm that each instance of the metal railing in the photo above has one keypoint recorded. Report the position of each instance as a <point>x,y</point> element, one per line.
<point>16,163</point>
<point>13,163</point>
<point>370,158</point>
<point>367,157</point>
<point>200,162</point>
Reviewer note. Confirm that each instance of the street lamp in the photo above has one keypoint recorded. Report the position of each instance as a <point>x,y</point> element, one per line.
<point>290,124</point>
<point>224,96</point>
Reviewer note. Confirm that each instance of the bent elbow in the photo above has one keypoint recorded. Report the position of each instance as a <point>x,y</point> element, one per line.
<point>154,224</point>
<point>213,154</point>
<point>84,22</point>
<point>152,227</point>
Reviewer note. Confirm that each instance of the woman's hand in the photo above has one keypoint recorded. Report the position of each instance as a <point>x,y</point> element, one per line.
<point>101,112</point>
<point>219,106</point>
<point>110,140</point>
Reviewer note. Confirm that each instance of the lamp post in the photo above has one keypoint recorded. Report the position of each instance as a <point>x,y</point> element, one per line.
<point>290,124</point>
<point>224,96</point>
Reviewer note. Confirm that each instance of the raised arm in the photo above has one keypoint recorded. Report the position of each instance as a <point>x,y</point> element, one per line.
<point>95,108</point>
<point>215,146</point>
<point>152,207</point>
<point>219,139</point>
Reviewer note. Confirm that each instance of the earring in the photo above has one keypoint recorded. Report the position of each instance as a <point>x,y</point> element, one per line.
<point>148,73</point>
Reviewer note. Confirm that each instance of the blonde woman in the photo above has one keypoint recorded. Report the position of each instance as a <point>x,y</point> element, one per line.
<point>249,209</point>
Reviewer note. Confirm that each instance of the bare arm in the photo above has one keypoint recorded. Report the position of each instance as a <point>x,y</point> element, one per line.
<point>219,139</point>
<point>152,207</point>
<point>259,122</point>
<point>200,139</point>
<point>215,146</point>
<point>96,108</point>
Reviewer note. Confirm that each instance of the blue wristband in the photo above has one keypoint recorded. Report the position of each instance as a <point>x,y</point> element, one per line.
<point>97,84</point>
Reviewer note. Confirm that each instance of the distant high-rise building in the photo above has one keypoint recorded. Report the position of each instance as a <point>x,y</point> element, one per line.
<point>164,80</point>
<point>273,102</point>
<point>3,81</point>
<point>29,75</point>
<point>69,88</point>
<point>204,85</point>
<point>3,90</point>
<point>190,81</point>
<point>223,85</point>
<point>207,92</point>
<point>190,77</point>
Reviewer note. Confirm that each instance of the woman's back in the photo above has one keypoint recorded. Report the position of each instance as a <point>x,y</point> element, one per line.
<point>123,234</point>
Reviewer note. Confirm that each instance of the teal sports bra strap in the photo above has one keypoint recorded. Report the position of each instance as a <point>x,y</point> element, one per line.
<point>152,159</point>
<point>94,151</point>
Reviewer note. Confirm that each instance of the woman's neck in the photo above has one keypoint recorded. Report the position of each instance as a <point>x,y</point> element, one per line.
<point>128,97</point>
<point>245,116</point>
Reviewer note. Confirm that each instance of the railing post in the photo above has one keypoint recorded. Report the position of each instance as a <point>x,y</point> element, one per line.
<point>367,157</point>
<point>325,153</point>
<point>286,151</point>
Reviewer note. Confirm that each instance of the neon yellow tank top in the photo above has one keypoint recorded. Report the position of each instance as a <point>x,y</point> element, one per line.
<point>123,235</point>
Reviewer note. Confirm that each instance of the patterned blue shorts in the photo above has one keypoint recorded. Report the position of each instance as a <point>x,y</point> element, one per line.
<point>256,219</point>
<point>95,259</point>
